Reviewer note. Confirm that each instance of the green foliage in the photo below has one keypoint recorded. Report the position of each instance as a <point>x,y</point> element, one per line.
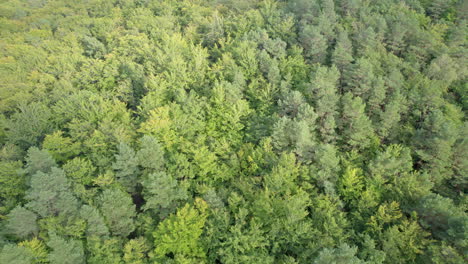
<point>28,126</point>
<point>434,142</point>
<point>50,194</point>
<point>351,184</point>
<point>21,222</point>
<point>324,89</point>
<point>37,248</point>
<point>404,242</point>
<point>15,254</point>
<point>343,254</point>
<point>444,219</point>
<point>325,168</point>
<point>118,210</point>
<point>104,250</point>
<point>65,251</point>
<point>342,55</point>
<point>81,173</point>
<point>314,43</point>
<point>355,126</point>
<point>162,193</point>
<point>95,225</point>
<point>39,161</point>
<point>180,233</point>
<point>316,130</point>
<point>13,184</point>
<point>61,148</point>
<point>151,155</point>
<point>330,221</point>
<point>135,251</point>
<point>126,167</point>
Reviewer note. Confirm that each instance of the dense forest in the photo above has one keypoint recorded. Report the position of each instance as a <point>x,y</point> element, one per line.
<point>233,131</point>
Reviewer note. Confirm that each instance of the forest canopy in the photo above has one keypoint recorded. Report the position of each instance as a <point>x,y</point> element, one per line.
<point>233,131</point>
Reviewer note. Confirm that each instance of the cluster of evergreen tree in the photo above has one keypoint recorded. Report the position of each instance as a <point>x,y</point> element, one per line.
<point>233,131</point>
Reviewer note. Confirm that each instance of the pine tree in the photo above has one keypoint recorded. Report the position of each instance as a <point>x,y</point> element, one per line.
<point>13,182</point>
<point>50,194</point>
<point>11,253</point>
<point>356,129</point>
<point>95,222</point>
<point>342,55</point>
<point>325,168</point>
<point>126,167</point>
<point>21,222</point>
<point>343,254</point>
<point>323,89</point>
<point>39,160</point>
<point>162,193</point>
<point>65,251</point>
<point>434,142</point>
<point>361,78</point>
<point>118,210</point>
<point>151,154</point>
<point>314,43</point>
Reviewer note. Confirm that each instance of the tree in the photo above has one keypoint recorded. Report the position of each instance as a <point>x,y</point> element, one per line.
<point>104,250</point>
<point>180,233</point>
<point>21,222</point>
<point>314,43</point>
<point>323,89</point>
<point>391,163</point>
<point>343,254</point>
<point>37,248</point>
<point>151,154</point>
<point>95,222</point>
<point>433,143</point>
<point>27,126</point>
<point>349,7</point>
<point>61,148</point>
<point>460,162</point>
<point>445,221</point>
<point>437,8</point>
<point>361,77</point>
<point>376,98</point>
<point>135,251</point>
<point>390,117</point>
<point>50,194</point>
<point>39,160</point>
<point>162,193</point>
<point>93,47</point>
<point>65,251</point>
<point>330,220</point>
<point>296,130</point>
<point>443,69</point>
<point>118,210</point>
<point>13,184</point>
<point>325,168</point>
<point>82,174</point>
<point>404,242</point>
<point>126,167</point>
<point>351,184</point>
<point>11,253</point>
<point>342,55</point>
<point>356,129</point>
